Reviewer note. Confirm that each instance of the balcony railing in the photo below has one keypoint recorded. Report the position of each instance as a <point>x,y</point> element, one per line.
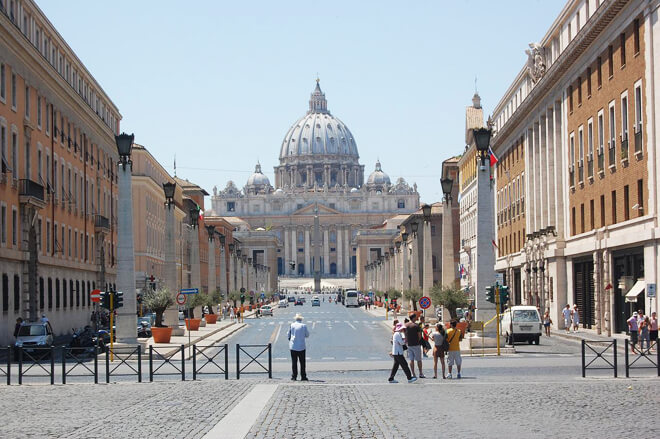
<point>571,176</point>
<point>590,167</point>
<point>581,172</point>
<point>638,140</point>
<point>29,188</point>
<point>601,160</point>
<point>612,153</point>
<point>101,222</point>
<point>624,147</point>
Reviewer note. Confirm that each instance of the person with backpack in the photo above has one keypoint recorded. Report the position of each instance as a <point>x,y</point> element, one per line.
<point>454,337</point>
<point>440,346</point>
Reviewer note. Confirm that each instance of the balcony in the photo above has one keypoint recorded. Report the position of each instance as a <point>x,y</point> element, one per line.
<point>31,193</point>
<point>590,167</point>
<point>101,224</point>
<point>624,148</point>
<point>638,141</point>
<point>571,176</point>
<point>612,153</point>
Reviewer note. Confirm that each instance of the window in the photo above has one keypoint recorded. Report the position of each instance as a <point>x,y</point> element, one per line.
<point>3,149</point>
<point>640,197</point>
<point>582,218</point>
<point>579,90</point>
<point>626,203</point>
<point>5,292</point>
<point>17,293</point>
<point>623,49</point>
<point>39,111</point>
<point>50,293</point>
<point>581,154</point>
<point>613,207</point>
<point>231,206</point>
<point>636,35</point>
<point>13,91</point>
<point>638,108</point>
<point>27,102</point>
<point>3,224</point>
<point>3,83</point>
<point>624,117</point>
<point>610,61</point>
<point>602,210</point>
<point>14,227</point>
<point>64,295</point>
<point>57,294</point>
<point>612,142</point>
<point>591,215</point>
<point>47,119</point>
<point>573,228</point>
<point>599,72</point>
<point>588,82</point>
<point>590,146</point>
<point>401,204</point>
<point>570,98</point>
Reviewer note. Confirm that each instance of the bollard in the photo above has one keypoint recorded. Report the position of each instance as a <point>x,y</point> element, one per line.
<point>107,366</point>
<point>227,362</point>
<point>139,352</point>
<point>616,367</point>
<point>63,365</point>
<point>96,365</point>
<point>626,358</point>
<point>270,362</point>
<point>9,354</point>
<point>238,362</point>
<point>151,363</point>
<point>183,363</point>
<point>20,365</point>
<point>583,365</point>
<point>51,351</point>
<point>194,362</point>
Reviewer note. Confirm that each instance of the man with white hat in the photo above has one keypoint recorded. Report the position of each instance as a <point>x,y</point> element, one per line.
<point>633,328</point>
<point>296,335</point>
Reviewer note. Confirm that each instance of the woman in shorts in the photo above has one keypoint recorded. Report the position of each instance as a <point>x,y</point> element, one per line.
<point>547,321</point>
<point>438,336</point>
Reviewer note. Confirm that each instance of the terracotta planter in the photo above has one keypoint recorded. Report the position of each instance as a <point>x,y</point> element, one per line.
<point>193,324</point>
<point>161,335</point>
<point>211,319</point>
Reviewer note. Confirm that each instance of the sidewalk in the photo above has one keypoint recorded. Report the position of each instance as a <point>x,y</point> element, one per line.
<point>592,335</point>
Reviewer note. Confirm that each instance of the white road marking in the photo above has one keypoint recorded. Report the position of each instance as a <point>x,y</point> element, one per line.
<point>351,358</point>
<point>314,325</point>
<point>350,324</point>
<point>327,358</point>
<point>375,358</point>
<point>237,423</point>
<point>280,358</point>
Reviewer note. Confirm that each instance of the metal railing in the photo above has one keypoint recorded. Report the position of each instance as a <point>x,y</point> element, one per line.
<point>124,354</point>
<point>35,356</point>
<point>166,362</point>
<point>599,349</point>
<point>643,356</point>
<point>590,167</point>
<point>638,140</point>
<point>612,153</point>
<point>254,359</point>
<point>79,365</point>
<point>211,360</point>
<point>29,188</point>
<point>5,366</point>
<point>601,161</point>
<point>101,222</point>
<point>624,148</point>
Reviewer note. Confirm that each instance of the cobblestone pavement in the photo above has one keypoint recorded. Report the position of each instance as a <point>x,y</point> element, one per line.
<point>148,410</point>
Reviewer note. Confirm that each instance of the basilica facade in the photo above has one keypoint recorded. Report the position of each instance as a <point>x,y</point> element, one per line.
<point>319,173</point>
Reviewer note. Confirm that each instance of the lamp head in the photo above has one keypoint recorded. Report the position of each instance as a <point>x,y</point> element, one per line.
<point>169,189</point>
<point>414,227</point>
<point>446,184</point>
<point>404,237</point>
<point>124,145</point>
<point>426,212</point>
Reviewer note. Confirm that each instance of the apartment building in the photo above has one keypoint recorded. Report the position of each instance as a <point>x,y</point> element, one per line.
<point>577,199</point>
<point>58,184</point>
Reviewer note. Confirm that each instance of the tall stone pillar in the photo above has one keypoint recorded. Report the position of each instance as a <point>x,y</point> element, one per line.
<point>326,252</point>
<point>232,273</point>
<point>287,250</point>
<point>448,268</point>
<point>484,271</point>
<point>427,282</point>
<point>211,260</point>
<point>405,271</point>
<point>126,316</point>
<point>195,273</point>
<point>308,267</point>
<point>340,252</point>
<point>171,315</point>
<point>223,271</point>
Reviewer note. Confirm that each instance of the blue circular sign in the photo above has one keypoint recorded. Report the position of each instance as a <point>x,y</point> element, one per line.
<point>424,302</point>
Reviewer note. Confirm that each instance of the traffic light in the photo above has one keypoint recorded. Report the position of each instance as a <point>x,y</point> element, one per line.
<point>118,301</point>
<point>490,294</point>
<point>385,294</point>
<point>105,300</point>
<point>139,298</point>
<point>504,294</point>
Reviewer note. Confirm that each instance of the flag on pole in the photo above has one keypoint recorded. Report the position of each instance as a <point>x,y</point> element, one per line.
<point>494,245</point>
<point>200,212</point>
<point>493,158</point>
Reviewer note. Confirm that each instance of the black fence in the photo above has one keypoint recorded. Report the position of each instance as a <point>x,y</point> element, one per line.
<point>254,352</point>
<point>41,361</point>
<point>5,365</point>
<point>75,363</point>
<point>167,362</point>
<point>123,355</point>
<point>213,360</point>
<point>645,358</point>
<point>599,349</point>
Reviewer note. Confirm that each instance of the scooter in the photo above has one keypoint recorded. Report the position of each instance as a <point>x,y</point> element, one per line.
<point>143,330</point>
<point>85,341</point>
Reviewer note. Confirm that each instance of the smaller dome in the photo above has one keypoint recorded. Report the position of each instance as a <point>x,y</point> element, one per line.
<point>354,190</point>
<point>279,191</point>
<point>258,178</point>
<point>378,177</point>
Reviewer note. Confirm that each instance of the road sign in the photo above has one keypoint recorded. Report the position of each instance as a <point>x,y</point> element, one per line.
<point>650,290</point>
<point>95,295</point>
<point>424,302</point>
<point>251,293</point>
<point>499,278</point>
<point>263,295</point>
<point>190,291</point>
<point>181,299</point>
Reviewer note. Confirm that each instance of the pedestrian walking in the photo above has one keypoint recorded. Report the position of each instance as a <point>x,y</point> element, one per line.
<point>296,335</point>
<point>547,321</point>
<point>17,328</point>
<point>44,319</point>
<point>644,335</point>
<point>454,337</point>
<point>398,346</point>
<point>632,329</point>
<point>566,312</point>
<point>653,329</point>
<point>414,343</point>
<point>426,346</point>
<point>439,336</point>
<point>576,318</point>
<point>241,314</point>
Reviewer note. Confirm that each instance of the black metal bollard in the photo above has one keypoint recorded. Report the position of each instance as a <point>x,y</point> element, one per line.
<point>238,362</point>
<point>9,354</point>
<point>20,365</point>
<point>583,360</point>
<point>226,361</point>
<point>96,365</point>
<point>194,366</point>
<point>63,365</point>
<point>183,363</point>
<point>151,363</point>
<point>270,362</point>
<point>627,359</point>
<point>107,366</point>
<point>616,367</point>
<point>139,352</point>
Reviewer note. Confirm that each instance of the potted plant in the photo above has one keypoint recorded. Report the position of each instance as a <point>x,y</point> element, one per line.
<point>158,301</point>
<point>451,298</point>
<point>194,300</point>
<point>211,301</point>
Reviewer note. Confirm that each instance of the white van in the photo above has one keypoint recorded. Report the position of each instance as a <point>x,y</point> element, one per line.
<point>521,323</point>
<point>351,298</point>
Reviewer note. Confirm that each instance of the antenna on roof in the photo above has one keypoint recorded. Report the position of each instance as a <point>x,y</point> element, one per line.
<point>175,165</point>
<point>475,84</point>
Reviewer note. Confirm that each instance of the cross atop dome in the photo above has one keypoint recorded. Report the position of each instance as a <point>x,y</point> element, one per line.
<point>317,102</point>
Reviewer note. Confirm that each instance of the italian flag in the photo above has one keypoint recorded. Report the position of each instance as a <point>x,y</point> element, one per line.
<point>200,212</point>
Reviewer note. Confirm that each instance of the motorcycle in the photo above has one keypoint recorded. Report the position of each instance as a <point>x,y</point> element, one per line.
<point>144,330</point>
<point>86,341</point>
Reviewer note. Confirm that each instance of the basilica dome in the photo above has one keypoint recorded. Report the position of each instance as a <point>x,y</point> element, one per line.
<point>378,177</point>
<point>257,182</point>
<point>318,133</point>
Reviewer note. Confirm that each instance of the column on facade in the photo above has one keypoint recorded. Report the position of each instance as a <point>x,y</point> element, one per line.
<point>427,281</point>
<point>171,315</point>
<point>294,248</point>
<point>326,252</point>
<point>211,265</point>
<point>308,267</point>
<point>543,175</point>
<point>223,272</point>
<point>310,177</point>
<point>195,274</point>
<point>287,251</point>
<point>550,168</point>
<point>608,292</point>
<point>340,252</point>
<point>231,287</point>
<point>558,190</point>
<point>598,304</point>
<point>347,250</point>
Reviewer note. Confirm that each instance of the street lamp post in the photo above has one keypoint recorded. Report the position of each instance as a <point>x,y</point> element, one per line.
<point>211,260</point>
<point>485,261</point>
<point>427,251</point>
<point>448,268</point>
<point>223,266</point>
<point>405,273</point>
<point>231,286</point>
<point>127,315</point>
<point>172,313</point>
<point>195,276</point>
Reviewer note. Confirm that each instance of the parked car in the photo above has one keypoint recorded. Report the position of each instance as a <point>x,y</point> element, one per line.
<point>266,310</point>
<point>316,301</point>
<point>298,302</point>
<point>521,323</point>
<point>283,303</point>
<point>34,335</point>
<point>292,299</point>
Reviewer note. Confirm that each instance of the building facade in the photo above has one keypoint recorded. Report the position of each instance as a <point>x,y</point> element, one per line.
<point>319,171</point>
<point>577,197</point>
<point>58,180</point>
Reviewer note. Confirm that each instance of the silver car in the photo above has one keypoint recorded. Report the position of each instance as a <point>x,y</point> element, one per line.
<point>34,335</point>
<point>266,310</point>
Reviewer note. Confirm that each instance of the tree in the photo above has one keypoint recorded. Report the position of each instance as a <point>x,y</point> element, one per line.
<point>393,294</point>
<point>413,295</point>
<point>158,301</point>
<point>234,296</point>
<point>195,300</point>
<point>449,297</point>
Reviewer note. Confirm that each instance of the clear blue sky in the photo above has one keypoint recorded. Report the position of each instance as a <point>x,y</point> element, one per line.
<point>219,83</point>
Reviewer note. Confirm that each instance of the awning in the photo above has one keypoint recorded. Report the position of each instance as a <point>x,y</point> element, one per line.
<point>639,286</point>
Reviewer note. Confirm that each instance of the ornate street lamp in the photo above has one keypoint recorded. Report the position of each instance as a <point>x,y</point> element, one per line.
<point>194,218</point>
<point>482,141</point>
<point>169,189</point>
<point>413,227</point>
<point>222,239</point>
<point>211,231</point>
<point>404,237</point>
<point>124,146</point>
<point>392,250</point>
<point>398,246</point>
<point>231,247</point>
<point>426,212</point>
<point>446,184</point>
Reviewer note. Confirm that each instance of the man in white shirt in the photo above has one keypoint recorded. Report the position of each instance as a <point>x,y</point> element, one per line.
<point>296,335</point>
<point>567,317</point>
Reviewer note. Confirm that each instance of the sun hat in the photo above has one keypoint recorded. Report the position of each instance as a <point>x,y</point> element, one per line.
<point>298,317</point>
<point>635,314</point>
<point>398,327</point>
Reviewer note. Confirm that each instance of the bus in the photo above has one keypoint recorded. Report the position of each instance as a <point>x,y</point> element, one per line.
<point>351,298</point>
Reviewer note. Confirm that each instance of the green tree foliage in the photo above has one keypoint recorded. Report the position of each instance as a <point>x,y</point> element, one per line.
<point>158,301</point>
<point>450,297</point>
<point>413,295</point>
